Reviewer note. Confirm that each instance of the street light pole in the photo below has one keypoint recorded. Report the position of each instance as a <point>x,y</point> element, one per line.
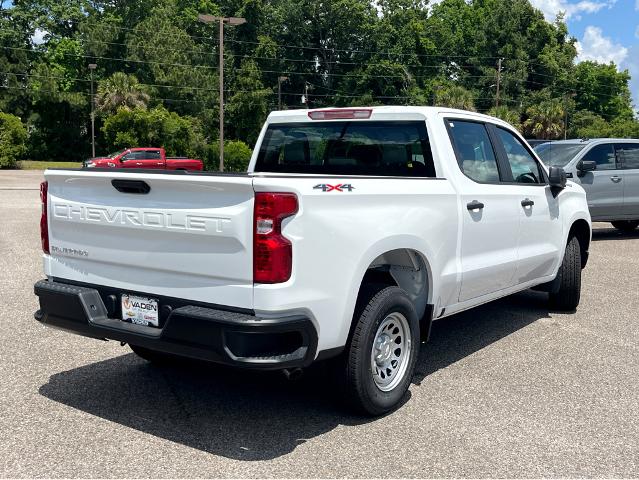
<point>222,20</point>
<point>92,67</point>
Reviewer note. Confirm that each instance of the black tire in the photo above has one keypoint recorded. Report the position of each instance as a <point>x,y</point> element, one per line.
<point>155,357</point>
<point>566,295</point>
<point>362,391</point>
<point>625,226</point>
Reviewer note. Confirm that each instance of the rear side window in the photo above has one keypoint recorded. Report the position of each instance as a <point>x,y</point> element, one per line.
<point>347,148</point>
<point>151,155</point>
<point>603,155</point>
<point>628,155</point>
<point>474,151</point>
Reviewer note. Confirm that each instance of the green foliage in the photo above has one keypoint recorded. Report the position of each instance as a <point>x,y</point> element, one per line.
<point>153,53</point>
<point>247,108</point>
<point>507,115</point>
<point>157,127</point>
<point>12,139</point>
<point>120,91</point>
<point>546,119</point>
<point>237,156</point>
<point>455,96</point>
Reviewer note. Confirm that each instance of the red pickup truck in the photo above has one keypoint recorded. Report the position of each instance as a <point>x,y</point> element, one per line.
<point>144,158</point>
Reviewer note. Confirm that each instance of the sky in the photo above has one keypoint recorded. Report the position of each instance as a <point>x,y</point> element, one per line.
<point>607,30</point>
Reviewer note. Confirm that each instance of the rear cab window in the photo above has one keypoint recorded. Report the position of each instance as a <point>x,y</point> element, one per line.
<point>628,154</point>
<point>371,148</point>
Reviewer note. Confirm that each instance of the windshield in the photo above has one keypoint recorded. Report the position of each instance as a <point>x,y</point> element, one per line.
<point>115,154</point>
<point>558,154</point>
<point>347,148</point>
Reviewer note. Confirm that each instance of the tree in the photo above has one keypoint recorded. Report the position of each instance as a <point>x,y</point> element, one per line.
<point>507,115</point>
<point>455,96</point>
<point>120,91</point>
<point>546,119</point>
<point>603,90</point>
<point>237,155</point>
<point>247,108</point>
<point>12,138</point>
<point>154,128</point>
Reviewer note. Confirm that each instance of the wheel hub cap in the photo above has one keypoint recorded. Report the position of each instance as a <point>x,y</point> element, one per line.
<point>391,352</point>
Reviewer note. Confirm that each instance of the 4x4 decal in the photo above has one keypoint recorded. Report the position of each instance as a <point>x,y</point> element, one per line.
<point>340,187</point>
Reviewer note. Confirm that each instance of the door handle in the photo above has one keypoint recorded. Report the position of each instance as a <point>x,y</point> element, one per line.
<point>138,163</point>
<point>527,202</point>
<point>615,178</point>
<point>474,205</point>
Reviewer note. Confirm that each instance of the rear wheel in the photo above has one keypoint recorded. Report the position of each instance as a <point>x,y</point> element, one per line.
<point>626,225</point>
<point>381,355</point>
<point>566,296</point>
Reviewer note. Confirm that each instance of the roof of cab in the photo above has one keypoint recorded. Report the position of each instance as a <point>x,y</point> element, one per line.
<point>299,115</point>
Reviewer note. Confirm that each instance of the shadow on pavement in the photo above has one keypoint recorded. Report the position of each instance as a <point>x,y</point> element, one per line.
<point>613,234</point>
<point>248,415</point>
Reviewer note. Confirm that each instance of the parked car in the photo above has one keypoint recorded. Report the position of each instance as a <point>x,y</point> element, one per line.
<point>351,232</point>
<point>608,170</point>
<point>534,142</point>
<point>147,158</point>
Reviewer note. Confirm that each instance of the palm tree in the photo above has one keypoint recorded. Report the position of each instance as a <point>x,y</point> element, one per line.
<point>120,91</point>
<point>546,119</point>
<point>455,96</point>
<point>507,115</point>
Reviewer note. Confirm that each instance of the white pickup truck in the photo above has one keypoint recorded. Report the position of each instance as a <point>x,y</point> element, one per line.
<point>352,231</point>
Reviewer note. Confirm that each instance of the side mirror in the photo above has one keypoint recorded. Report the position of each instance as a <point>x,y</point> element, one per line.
<point>557,178</point>
<point>586,166</point>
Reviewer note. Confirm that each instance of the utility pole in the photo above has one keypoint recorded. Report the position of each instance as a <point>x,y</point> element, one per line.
<point>498,81</point>
<point>92,67</point>
<point>204,18</point>
<point>566,96</point>
<point>279,91</point>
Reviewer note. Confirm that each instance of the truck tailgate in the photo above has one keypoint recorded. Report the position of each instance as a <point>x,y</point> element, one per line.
<point>189,236</point>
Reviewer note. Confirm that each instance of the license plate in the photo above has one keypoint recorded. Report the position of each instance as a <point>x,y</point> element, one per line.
<point>140,310</point>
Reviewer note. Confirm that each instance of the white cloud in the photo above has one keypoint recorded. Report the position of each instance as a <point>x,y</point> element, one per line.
<point>38,36</point>
<point>594,46</point>
<point>551,8</point>
<point>637,32</point>
<point>636,4</point>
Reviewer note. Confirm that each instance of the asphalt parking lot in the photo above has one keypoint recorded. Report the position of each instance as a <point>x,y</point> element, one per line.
<point>506,390</point>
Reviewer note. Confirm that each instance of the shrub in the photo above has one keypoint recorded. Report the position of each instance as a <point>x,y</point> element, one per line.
<point>13,136</point>
<point>237,156</point>
<point>154,128</point>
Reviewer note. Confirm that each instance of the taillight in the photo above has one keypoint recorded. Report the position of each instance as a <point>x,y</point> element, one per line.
<point>44,224</point>
<point>272,252</point>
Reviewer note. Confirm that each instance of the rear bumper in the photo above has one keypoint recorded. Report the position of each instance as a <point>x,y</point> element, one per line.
<point>196,331</point>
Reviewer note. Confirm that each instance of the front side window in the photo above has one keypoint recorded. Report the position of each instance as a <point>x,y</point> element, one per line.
<point>603,155</point>
<point>474,151</point>
<point>372,148</point>
<point>523,165</point>
<point>130,156</point>
<point>629,154</point>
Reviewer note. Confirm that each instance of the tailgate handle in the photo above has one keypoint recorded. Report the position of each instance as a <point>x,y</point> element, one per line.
<point>130,186</point>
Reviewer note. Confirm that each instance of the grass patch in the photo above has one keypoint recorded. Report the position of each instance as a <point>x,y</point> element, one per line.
<point>43,165</point>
